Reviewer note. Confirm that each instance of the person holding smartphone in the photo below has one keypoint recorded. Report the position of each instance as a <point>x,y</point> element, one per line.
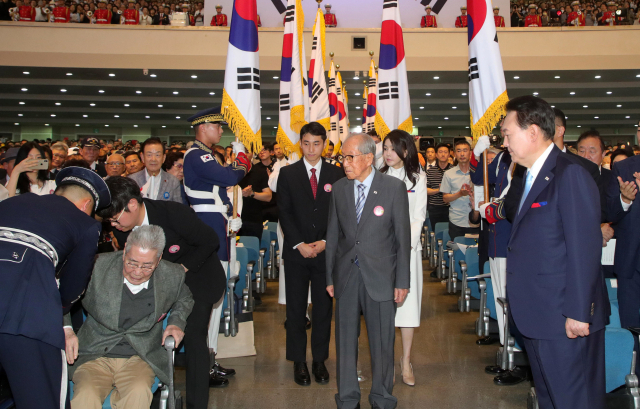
<point>30,172</point>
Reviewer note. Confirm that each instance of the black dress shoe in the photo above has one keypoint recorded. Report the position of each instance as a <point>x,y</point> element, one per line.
<point>320,372</point>
<point>301,374</point>
<point>495,370</point>
<point>487,340</point>
<point>308,324</point>
<point>224,372</point>
<point>433,274</point>
<point>512,377</point>
<point>217,381</point>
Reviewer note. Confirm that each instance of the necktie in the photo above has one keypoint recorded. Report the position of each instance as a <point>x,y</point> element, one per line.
<point>527,188</point>
<point>314,182</point>
<point>360,202</point>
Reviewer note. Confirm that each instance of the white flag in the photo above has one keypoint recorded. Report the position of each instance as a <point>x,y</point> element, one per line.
<point>334,133</point>
<point>371,98</point>
<point>487,87</point>
<point>343,122</point>
<point>319,97</point>
<point>393,104</point>
<point>241,94</point>
<point>294,98</point>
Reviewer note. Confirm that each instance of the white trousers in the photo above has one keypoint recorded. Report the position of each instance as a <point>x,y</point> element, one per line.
<point>499,283</point>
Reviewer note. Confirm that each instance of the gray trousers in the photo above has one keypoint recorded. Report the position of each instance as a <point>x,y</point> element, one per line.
<point>380,320</point>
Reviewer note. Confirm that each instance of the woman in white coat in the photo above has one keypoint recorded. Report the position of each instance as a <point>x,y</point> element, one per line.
<point>401,161</point>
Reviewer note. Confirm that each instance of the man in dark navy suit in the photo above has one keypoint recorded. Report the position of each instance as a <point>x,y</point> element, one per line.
<point>304,192</point>
<point>556,292</point>
<point>47,249</point>
<point>625,213</point>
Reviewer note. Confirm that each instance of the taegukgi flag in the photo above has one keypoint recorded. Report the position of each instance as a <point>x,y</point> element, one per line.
<point>487,87</point>
<point>241,93</point>
<point>294,97</point>
<point>334,133</point>
<point>343,121</point>
<point>393,104</point>
<point>371,98</point>
<point>318,95</point>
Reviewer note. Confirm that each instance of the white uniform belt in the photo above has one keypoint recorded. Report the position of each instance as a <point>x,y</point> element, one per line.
<point>29,239</point>
<point>206,208</point>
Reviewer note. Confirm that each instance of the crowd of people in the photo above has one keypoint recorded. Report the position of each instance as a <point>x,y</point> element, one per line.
<point>574,13</point>
<point>350,233</point>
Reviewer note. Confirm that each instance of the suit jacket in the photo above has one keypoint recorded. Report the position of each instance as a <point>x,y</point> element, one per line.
<point>100,170</point>
<point>553,255</point>
<point>102,301</point>
<point>627,259</point>
<point>169,186</point>
<point>303,218</point>
<point>382,243</point>
<point>607,178</point>
<point>594,171</point>
<point>189,241</point>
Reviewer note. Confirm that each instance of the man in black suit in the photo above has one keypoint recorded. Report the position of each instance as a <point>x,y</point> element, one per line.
<point>194,245</point>
<point>90,150</point>
<point>304,193</point>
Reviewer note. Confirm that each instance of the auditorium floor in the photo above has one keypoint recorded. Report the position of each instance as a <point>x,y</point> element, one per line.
<point>448,365</point>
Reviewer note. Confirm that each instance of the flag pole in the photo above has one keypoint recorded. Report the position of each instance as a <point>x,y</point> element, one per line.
<point>485,173</point>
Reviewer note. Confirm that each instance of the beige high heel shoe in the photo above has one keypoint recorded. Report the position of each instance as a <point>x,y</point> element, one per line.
<point>408,379</point>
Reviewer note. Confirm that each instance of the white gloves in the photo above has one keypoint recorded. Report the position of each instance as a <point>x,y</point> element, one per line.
<point>483,144</point>
<point>238,147</point>
<point>235,224</point>
<point>483,210</point>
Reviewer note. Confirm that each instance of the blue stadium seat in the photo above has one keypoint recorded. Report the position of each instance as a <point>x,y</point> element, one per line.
<point>272,226</point>
<point>618,353</point>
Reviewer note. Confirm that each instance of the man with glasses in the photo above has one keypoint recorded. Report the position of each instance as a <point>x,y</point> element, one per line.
<point>120,343</point>
<point>154,182</point>
<point>59,151</point>
<point>115,165</point>
<point>191,243</point>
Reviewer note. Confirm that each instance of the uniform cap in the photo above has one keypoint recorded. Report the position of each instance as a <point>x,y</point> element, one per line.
<point>532,6</point>
<point>87,179</point>
<point>90,141</point>
<point>575,3</point>
<point>496,8</point>
<point>428,7</point>
<point>327,6</point>
<point>11,153</point>
<point>218,6</point>
<point>611,3</point>
<point>463,8</point>
<point>185,6</point>
<point>211,115</point>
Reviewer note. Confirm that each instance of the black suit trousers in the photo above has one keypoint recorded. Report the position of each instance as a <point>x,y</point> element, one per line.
<point>297,278</point>
<point>197,355</point>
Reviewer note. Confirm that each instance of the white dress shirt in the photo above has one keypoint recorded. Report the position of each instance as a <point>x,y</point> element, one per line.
<point>317,167</point>
<point>136,288</point>
<point>537,165</point>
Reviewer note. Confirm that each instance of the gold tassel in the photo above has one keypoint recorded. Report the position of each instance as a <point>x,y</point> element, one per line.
<point>381,127</point>
<point>297,118</point>
<point>287,146</point>
<point>239,125</point>
<point>407,125</point>
<point>491,117</point>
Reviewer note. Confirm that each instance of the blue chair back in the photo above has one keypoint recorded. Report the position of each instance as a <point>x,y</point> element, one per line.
<point>614,318</point>
<point>464,240</point>
<point>441,226</point>
<point>242,255</point>
<point>618,352</point>
<point>252,244</point>
<point>267,236</point>
<point>272,226</point>
<point>612,288</point>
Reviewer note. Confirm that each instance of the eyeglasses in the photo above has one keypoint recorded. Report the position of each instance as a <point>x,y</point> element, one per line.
<point>178,166</point>
<point>145,268</point>
<point>57,155</point>
<point>117,221</point>
<point>349,158</point>
<point>115,163</point>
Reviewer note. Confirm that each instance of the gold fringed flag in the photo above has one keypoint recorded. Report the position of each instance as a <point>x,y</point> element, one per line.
<point>371,99</point>
<point>294,98</point>
<point>334,133</point>
<point>487,87</point>
<point>241,94</point>
<point>319,97</point>
<point>343,124</point>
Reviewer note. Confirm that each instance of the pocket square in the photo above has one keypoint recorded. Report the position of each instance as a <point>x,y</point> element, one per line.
<point>162,317</point>
<point>539,204</point>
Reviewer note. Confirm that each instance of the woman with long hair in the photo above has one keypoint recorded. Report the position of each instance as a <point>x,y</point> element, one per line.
<point>401,161</point>
<point>25,178</point>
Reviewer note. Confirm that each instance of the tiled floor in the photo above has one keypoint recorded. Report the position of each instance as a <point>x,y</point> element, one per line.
<point>448,366</point>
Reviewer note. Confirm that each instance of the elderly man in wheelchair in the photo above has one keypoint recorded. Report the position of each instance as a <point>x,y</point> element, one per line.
<point>119,348</point>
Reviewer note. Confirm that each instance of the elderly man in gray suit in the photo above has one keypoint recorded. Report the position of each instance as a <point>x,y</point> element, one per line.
<point>120,343</point>
<point>155,183</point>
<point>368,252</point>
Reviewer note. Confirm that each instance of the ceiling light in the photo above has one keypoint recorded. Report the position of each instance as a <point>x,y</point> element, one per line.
<point>135,126</point>
<point>153,75</point>
<point>21,103</point>
<point>627,117</point>
<point>454,107</point>
<point>212,93</point>
<point>436,78</point>
<point>466,127</point>
<point>357,94</point>
<point>598,77</point>
<point>553,106</point>
<point>53,115</point>
<point>85,116</point>
<point>439,127</point>
<point>579,126</point>
<point>357,107</point>
<point>446,118</point>
<point>358,119</point>
<point>268,118</point>
<point>585,106</point>
<point>46,124</point>
<point>275,78</point>
<point>63,90</point>
<point>138,92</point>
<point>416,118</point>
<point>69,74</point>
<point>557,77</point>
<point>275,127</point>
<point>516,78</point>
<point>356,78</point>
<point>147,117</point>
<point>92,105</point>
<point>16,123</point>
<point>194,76</point>
<point>428,94</point>
<point>596,117</point>
<point>193,106</point>
<point>27,73</point>
<point>20,115</point>
<point>112,75</point>
<point>101,91</point>
<point>107,126</point>
<point>421,107</point>
<point>126,105</point>
<point>164,126</point>
<point>58,104</point>
<point>175,92</point>
<point>23,89</point>
<point>177,117</point>
<point>77,124</point>
<point>572,93</point>
<point>160,106</point>
<point>609,92</point>
<point>637,76</point>
<point>619,106</point>
<point>116,116</point>
<point>535,93</point>
<point>464,94</point>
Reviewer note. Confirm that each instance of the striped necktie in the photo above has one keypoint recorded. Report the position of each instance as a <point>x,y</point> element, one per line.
<point>360,201</point>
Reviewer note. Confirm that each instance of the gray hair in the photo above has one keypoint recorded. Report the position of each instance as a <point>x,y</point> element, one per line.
<point>494,150</point>
<point>148,238</point>
<point>61,146</point>
<point>366,143</point>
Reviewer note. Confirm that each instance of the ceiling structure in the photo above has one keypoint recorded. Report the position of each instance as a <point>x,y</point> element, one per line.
<point>35,96</point>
